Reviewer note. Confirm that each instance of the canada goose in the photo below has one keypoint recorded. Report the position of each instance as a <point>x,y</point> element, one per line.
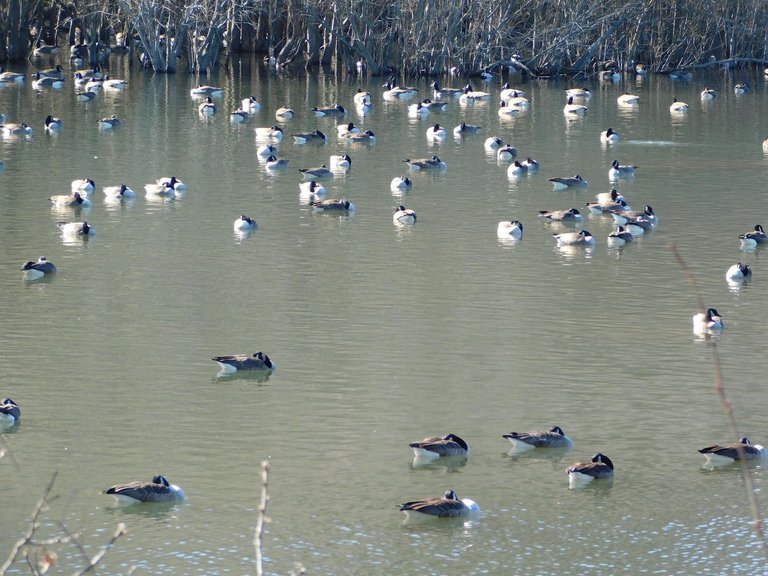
<point>203,91</point>
<point>119,192</point>
<point>509,229</point>
<point>607,198</point>
<point>393,92</point>
<point>347,128</point>
<point>400,184</point>
<point>619,237</point>
<point>449,506</point>
<point>624,216</point>
<point>114,83</point>
<point>437,132</point>
<point>74,200</point>
<point>738,272</point>
<point>516,169</point>
<point>35,270</point>
<point>403,215</point>
<point>361,97</point>
<point>599,468</point>
<point>561,183</point>
<point>440,92</point>
<point>582,93</point>
<point>507,153</point>
<point>709,321</point>
<point>207,108</point>
<point>85,96</point>
<point>638,225</point>
<point>531,164</point>
<point>641,69</point>
<point>267,150</point>
<point>10,413</point>
<point>754,237</point>
<point>239,116</point>
<point>340,161</point>
<point>493,142</point>
<point>417,110</point>
<point>570,215</point>
<point>244,223</point>
<point>158,490</point>
<point>57,72</point>
<point>627,99</point>
<point>94,83</point>
<point>723,454</point>
<point>552,438</point>
<point>678,107</point>
<point>470,95</point>
<point>464,129</point>
<point>335,110</point>
<point>233,363</point>
<point>507,92</point>
<point>708,94</point>
<point>316,172</point>
<point>597,208</point>
<point>6,76</point>
<point>506,111</point>
<point>269,133</point>
<point>109,123</point>
<point>333,205</point>
<point>250,105</point>
<point>311,191</point>
<point>86,185</point>
<point>315,136</point>
<point>433,163</point>
<point>446,446</point>
<point>580,238</point>
<point>14,129</point>
<point>436,106</point>
<point>284,113</point>
<point>571,109</point>
<point>741,88</point>
<point>175,183</point>
<point>609,136</point>
<point>617,171</point>
<point>41,81</point>
<point>273,163</point>
<point>76,228</point>
<point>366,137</point>
<point>53,124</point>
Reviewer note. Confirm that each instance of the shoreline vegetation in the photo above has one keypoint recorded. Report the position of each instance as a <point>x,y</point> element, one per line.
<point>536,38</point>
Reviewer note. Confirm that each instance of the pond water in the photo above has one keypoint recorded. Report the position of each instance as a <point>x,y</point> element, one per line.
<point>382,335</point>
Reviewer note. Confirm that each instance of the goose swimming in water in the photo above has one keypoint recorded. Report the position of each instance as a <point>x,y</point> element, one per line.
<point>580,238</point>
<point>71,229</point>
<point>75,200</point>
<point>233,363</point>
<point>509,229</point>
<point>620,237</point>
<point>449,506</point>
<point>618,171</point>
<point>315,136</point>
<point>334,205</point>
<point>207,108</point>
<point>311,191</point>
<point>561,183</point>
<point>446,446</point>
<point>724,454</point>
<point>10,413</point>
<point>678,107</point>
<point>36,270</point>
<point>340,162</point>
<point>609,136</point>
<point>335,110</point>
<point>754,237</point>
<point>433,163</point>
<point>599,468</point>
<point>400,183</point>
<point>707,322</point>
<point>572,214</point>
<point>465,129</point>
<point>53,124</point>
<point>158,490</point>
<point>552,438</point>
<point>403,215</point>
<point>628,99</point>
<point>572,109</point>
<point>738,272</point>
<point>271,133</point>
<point>437,132</point>
<point>120,192</point>
<point>244,223</point>
<point>316,172</point>
<point>109,123</point>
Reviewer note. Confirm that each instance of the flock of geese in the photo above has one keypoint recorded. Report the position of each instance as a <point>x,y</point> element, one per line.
<point>629,224</point>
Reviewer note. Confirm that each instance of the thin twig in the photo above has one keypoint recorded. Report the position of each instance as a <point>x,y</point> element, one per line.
<point>119,531</point>
<point>262,517</point>
<point>757,522</point>
<point>33,526</point>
